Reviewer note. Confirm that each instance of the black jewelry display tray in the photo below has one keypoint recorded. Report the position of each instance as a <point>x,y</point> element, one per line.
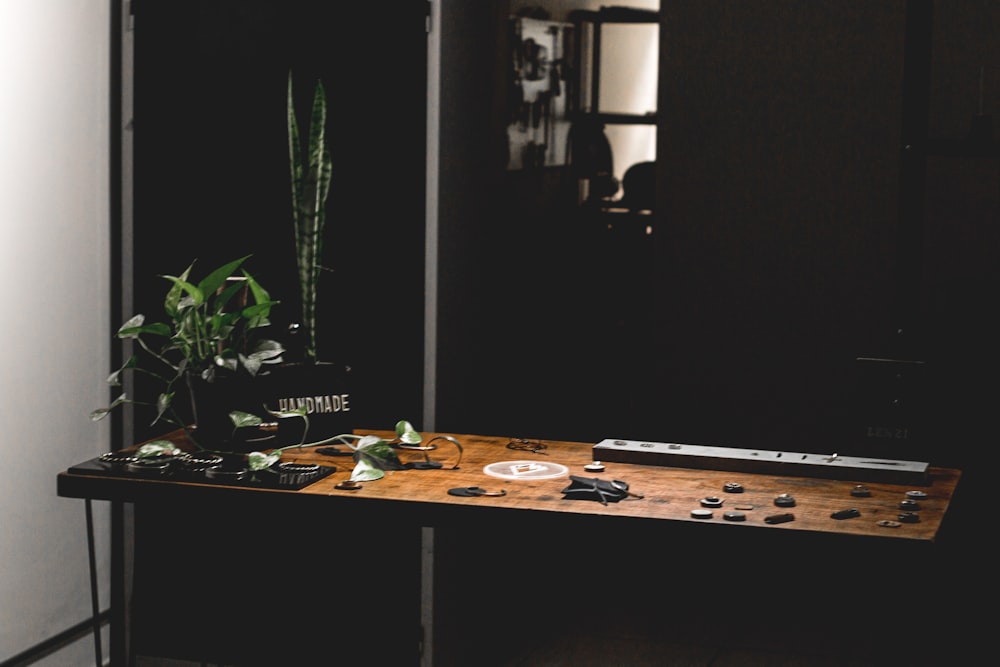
<point>269,478</point>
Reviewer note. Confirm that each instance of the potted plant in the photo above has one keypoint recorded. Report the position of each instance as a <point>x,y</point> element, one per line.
<point>210,347</point>
<point>311,174</point>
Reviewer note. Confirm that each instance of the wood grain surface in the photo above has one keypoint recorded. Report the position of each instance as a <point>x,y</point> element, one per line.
<point>668,494</point>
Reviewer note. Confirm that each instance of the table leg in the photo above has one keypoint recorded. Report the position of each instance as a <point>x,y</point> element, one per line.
<point>95,605</point>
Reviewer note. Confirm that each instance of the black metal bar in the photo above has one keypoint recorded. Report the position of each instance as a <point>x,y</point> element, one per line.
<point>94,603</point>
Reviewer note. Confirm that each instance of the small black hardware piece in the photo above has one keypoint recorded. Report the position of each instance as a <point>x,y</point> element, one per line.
<point>784,500</point>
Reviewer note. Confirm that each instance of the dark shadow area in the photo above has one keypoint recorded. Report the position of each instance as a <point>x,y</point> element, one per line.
<point>212,175</point>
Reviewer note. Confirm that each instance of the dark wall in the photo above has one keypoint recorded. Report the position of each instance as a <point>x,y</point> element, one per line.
<point>780,143</point>
<point>212,175</point>
<point>775,259</point>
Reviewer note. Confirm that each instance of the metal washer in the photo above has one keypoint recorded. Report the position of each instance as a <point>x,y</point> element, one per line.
<point>784,500</point>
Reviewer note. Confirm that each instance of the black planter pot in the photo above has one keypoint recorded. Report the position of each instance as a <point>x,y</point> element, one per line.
<point>322,389</point>
<point>211,404</point>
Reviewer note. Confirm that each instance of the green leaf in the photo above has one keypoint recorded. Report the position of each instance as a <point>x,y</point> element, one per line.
<point>115,379</point>
<point>171,304</point>
<point>261,461</point>
<point>364,471</point>
<point>378,453</point>
<point>244,419</point>
<point>227,294</point>
<point>260,294</point>
<point>216,279</point>
<point>163,403</point>
<point>406,434</point>
<point>251,364</point>
<point>135,322</point>
<point>196,295</point>
<point>157,448</point>
<point>99,414</point>
<point>136,326</point>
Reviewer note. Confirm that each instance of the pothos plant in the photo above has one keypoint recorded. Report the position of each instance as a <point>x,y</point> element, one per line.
<point>212,331</point>
<point>372,455</point>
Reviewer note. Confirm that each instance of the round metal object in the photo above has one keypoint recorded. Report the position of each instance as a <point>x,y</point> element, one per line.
<point>784,500</point>
<point>596,466</point>
<point>734,516</point>
<point>224,474</point>
<point>348,485</point>
<point>909,505</point>
<point>909,517</point>
<point>701,514</point>
<point>118,459</point>
<point>888,523</point>
<point>474,492</point>
<point>861,491</point>
<point>197,462</point>
<point>711,501</point>
<point>151,467</point>
<point>916,495</point>
<point>733,487</point>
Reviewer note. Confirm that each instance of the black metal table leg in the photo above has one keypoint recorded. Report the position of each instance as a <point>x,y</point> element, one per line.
<point>95,606</point>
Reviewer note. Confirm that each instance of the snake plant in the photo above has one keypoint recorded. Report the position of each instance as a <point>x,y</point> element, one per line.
<point>311,171</point>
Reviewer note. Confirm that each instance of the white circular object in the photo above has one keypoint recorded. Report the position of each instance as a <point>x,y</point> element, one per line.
<point>525,470</point>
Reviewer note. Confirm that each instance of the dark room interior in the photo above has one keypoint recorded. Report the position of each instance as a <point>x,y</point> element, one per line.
<point>807,265</point>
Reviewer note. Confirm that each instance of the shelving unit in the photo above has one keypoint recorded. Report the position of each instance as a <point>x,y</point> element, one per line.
<point>589,28</point>
<point>592,22</point>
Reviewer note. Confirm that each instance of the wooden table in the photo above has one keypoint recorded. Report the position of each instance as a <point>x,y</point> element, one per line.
<point>535,511</point>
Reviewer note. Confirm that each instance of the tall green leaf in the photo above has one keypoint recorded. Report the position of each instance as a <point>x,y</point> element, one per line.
<point>311,169</point>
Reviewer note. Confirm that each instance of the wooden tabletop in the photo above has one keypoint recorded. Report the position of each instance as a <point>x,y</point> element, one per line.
<point>667,494</point>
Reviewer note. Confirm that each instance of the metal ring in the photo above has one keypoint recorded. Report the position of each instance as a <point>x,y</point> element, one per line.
<point>118,459</point>
<point>453,441</point>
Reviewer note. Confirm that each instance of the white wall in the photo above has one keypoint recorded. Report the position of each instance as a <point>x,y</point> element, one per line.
<point>54,258</point>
